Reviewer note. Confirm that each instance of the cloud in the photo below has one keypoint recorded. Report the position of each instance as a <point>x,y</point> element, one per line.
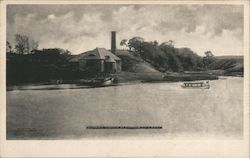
<point>51,16</point>
<point>78,28</point>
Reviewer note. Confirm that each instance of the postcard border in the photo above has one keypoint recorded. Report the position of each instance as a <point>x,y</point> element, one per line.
<point>211,147</point>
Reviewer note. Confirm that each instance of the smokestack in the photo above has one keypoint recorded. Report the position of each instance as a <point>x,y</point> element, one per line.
<point>113,42</point>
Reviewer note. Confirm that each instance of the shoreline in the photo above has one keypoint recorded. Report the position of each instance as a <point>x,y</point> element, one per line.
<point>75,84</point>
<point>130,77</point>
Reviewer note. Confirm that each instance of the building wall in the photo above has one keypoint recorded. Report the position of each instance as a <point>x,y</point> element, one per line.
<point>118,65</point>
<point>75,65</point>
<point>92,65</point>
<point>97,66</point>
<point>82,64</point>
<point>109,67</point>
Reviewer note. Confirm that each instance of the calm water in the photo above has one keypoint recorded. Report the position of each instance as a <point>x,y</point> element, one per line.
<point>65,113</point>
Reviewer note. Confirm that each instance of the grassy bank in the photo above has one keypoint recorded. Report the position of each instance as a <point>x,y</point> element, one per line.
<point>163,77</point>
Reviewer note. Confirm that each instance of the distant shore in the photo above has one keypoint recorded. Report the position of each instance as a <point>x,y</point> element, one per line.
<point>165,77</point>
<point>130,77</point>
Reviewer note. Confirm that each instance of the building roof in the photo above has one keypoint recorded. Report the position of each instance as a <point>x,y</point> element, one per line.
<point>98,53</point>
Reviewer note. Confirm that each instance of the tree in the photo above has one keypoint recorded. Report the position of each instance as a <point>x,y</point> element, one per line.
<point>135,43</point>
<point>208,59</point>
<point>208,54</point>
<point>22,44</point>
<point>169,43</point>
<point>155,43</point>
<point>34,45</point>
<point>8,47</point>
<point>124,43</point>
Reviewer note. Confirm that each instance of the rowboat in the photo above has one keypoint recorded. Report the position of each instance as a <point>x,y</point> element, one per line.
<point>202,85</point>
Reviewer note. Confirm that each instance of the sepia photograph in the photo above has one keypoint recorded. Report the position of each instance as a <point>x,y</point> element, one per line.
<point>80,71</point>
<point>125,71</point>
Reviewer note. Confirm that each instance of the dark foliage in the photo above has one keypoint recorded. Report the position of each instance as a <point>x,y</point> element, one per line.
<point>190,61</point>
<point>165,57</point>
<point>231,64</point>
<point>41,65</point>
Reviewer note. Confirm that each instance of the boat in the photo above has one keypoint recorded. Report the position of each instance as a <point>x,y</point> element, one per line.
<point>103,81</point>
<point>98,82</point>
<point>202,85</point>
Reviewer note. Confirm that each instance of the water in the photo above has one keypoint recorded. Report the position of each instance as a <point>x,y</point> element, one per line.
<point>65,113</point>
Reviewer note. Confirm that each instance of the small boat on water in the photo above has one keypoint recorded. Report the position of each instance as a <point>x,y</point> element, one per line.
<point>202,85</point>
<point>98,82</point>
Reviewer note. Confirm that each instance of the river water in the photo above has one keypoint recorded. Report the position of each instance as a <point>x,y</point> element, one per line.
<point>39,113</point>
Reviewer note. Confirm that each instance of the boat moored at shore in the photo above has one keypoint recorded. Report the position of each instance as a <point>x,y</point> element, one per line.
<point>97,82</point>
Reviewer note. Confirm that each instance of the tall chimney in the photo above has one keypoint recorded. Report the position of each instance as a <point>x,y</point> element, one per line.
<point>113,42</point>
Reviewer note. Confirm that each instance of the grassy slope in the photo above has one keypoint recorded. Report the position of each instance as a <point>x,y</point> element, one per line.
<point>135,69</point>
<point>132,63</point>
<point>230,64</point>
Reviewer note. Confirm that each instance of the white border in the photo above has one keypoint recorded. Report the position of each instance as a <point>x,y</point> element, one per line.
<point>210,147</point>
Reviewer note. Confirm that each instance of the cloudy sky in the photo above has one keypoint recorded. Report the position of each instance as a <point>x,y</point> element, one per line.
<point>79,28</point>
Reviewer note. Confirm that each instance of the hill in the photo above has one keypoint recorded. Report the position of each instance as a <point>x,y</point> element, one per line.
<point>228,65</point>
<point>134,68</point>
<point>220,65</point>
<point>133,63</point>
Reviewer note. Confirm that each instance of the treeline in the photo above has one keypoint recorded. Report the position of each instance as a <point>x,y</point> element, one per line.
<point>40,66</point>
<point>165,57</point>
<point>23,45</point>
<point>27,64</point>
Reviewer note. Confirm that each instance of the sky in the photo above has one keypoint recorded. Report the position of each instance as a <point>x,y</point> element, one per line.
<point>79,28</point>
